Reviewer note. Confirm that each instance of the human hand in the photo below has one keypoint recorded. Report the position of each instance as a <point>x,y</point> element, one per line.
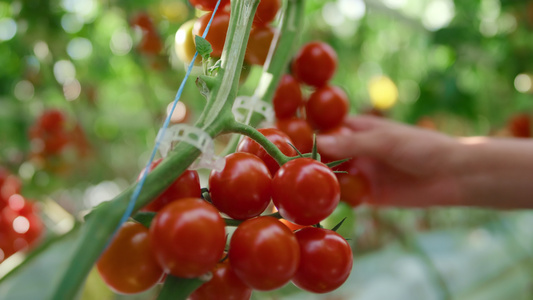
<point>406,165</point>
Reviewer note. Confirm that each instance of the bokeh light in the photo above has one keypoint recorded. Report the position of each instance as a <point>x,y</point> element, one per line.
<point>64,70</point>
<point>523,83</point>
<point>383,92</point>
<point>79,48</point>
<point>8,29</point>
<point>438,14</point>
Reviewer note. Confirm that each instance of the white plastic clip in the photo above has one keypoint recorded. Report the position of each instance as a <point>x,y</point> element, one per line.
<point>196,137</point>
<point>244,106</point>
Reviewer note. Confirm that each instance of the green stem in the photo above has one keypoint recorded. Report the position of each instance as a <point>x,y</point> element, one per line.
<point>291,24</point>
<point>215,119</point>
<point>257,136</point>
<point>226,86</point>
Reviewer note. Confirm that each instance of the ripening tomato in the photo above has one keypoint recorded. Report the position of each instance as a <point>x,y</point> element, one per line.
<point>217,32</point>
<point>314,64</point>
<point>184,45</point>
<point>288,97</point>
<point>143,20</point>
<point>266,12</point>
<point>305,191</point>
<point>151,43</point>
<point>188,237</point>
<point>299,131</point>
<point>186,186</point>
<point>243,188</point>
<point>52,120</point>
<point>209,5</point>
<point>128,266</point>
<point>520,126</point>
<point>355,187</point>
<point>225,285</point>
<point>326,260</point>
<point>277,137</point>
<point>264,253</point>
<point>327,107</point>
<point>259,45</point>
<point>11,186</point>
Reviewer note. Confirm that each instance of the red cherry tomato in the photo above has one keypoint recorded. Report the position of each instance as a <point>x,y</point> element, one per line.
<point>11,186</point>
<point>217,32</point>
<point>299,131</point>
<point>314,64</point>
<point>305,191</point>
<point>186,186</point>
<point>326,260</point>
<point>52,120</point>
<point>264,253</point>
<point>327,107</point>
<point>209,5</point>
<point>7,233</point>
<point>187,237</point>
<point>278,138</point>
<point>224,285</point>
<point>266,12</point>
<point>243,188</point>
<point>143,20</point>
<point>28,223</point>
<point>128,266</point>
<point>355,186</point>
<point>258,45</point>
<point>520,126</point>
<point>150,43</point>
<point>288,97</point>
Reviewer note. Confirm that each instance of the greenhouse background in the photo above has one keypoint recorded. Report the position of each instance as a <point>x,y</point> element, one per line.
<point>464,68</point>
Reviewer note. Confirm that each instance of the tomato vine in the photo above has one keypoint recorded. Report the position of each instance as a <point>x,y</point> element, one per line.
<point>216,118</point>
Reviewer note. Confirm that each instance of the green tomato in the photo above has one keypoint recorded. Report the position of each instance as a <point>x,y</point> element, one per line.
<point>342,211</point>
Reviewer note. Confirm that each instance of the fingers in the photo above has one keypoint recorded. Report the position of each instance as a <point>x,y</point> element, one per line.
<point>365,122</point>
<point>364,143</point>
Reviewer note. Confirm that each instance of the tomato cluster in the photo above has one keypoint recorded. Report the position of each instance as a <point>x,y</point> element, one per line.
<point>150,43</point>
<point>21,226</point>
<point>260,38</point>
<point>187,236</point>
<point>321,112</point>
<point>54,134</point>
<point>326,105</point>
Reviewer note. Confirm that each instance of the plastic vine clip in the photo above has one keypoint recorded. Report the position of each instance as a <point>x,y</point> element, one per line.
<point>244,106</point>
<point>195,137</point>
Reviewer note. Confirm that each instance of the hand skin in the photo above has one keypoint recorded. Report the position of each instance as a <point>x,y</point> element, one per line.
<point>414,167</point>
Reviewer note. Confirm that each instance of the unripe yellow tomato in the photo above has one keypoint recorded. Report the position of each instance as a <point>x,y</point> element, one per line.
<point>184,43</point>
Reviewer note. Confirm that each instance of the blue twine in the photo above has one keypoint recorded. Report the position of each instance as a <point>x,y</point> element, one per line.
<point>161,134</point>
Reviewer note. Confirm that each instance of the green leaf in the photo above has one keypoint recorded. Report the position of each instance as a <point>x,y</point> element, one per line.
<point>338,225</point>
<point>203,47</point>
<point>337,162</point>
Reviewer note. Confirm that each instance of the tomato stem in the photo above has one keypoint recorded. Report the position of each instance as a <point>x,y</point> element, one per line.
<point>273,70</point>
<point>257,136</point>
